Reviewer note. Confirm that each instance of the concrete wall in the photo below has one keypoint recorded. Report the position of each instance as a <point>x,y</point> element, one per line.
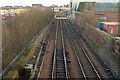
<point>101,42</point>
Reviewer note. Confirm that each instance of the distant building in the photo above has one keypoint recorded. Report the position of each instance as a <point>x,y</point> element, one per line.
<point>37,5</point>
<point>106,10</point>
<point>8,6</point>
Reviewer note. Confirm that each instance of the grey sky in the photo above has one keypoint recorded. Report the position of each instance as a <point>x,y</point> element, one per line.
<point>29,2</point>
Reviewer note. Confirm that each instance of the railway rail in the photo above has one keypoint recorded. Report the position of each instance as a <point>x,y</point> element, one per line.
<point>52,32</point>
<point>103,71</point>
<point>81,71</point>
<point>59,69</point>
<point>41,54</point>
<point>83,67</point>
<point>68,58</point>
<point>88,68</point>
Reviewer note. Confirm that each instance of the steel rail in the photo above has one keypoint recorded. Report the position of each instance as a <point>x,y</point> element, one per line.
<point>54,55</point>
<point>39,55</point>
<point>80,65</point>
<point>65,62</point>
<point>44,57</point>
<point>85,53</point>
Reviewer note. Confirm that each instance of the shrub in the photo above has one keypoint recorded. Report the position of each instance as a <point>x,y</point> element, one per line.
<point>19,30</point>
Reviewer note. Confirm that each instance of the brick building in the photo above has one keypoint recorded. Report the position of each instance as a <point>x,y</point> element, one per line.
<point>107,10</point>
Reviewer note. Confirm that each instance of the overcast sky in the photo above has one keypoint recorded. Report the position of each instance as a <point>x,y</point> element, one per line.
<point>96,0</point>
<point>29,2</point>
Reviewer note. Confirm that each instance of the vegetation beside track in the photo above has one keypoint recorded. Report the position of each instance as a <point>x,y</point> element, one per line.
<point>20,29</point>
<point>26,57</point>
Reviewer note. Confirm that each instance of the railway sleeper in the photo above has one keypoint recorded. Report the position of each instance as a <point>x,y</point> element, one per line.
<point>59,77</point>
<point>60,72</point>
<point>91,75</point>
<point>60,65</point>
<point>59,59</point>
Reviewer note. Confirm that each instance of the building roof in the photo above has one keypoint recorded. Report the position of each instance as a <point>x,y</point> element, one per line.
<point>37,5</point>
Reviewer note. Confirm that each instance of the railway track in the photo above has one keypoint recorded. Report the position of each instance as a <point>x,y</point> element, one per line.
<point>49,51</point>
<point>103,71</point>
<point>59,68</point>
<point>80,70</point>
<point>67,58</point>
<point>41,54</point>
<point>65,54</point>
<point>88,68</point>
<point>61,58</point>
